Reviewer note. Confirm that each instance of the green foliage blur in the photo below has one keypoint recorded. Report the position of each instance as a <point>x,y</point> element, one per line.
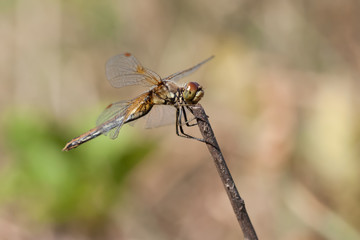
<point>80,187</point>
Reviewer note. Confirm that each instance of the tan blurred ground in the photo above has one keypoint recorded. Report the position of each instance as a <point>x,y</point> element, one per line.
<point>282,94</point>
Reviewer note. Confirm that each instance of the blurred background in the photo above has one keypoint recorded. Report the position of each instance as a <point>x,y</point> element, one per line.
<point>282,95</point>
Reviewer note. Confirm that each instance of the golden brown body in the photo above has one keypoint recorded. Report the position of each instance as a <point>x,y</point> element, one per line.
<point>124,70</point>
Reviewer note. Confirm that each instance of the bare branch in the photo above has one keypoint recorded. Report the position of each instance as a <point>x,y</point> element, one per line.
<point>237,202</point>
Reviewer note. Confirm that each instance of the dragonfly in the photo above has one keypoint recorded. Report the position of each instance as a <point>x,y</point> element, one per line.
<point>125,70</point>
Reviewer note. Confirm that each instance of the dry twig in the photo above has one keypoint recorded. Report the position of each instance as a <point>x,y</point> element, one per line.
<point>237,202</point>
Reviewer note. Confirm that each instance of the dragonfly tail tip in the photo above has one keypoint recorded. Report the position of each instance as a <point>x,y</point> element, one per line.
<point>66,148</point>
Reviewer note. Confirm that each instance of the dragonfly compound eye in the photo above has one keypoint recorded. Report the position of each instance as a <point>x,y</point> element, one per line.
<point>193,92</point>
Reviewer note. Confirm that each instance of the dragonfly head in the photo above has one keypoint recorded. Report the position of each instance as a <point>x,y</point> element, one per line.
<point>193,92</point>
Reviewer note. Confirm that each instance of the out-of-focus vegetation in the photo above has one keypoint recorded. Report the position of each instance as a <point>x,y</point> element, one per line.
<point>81,187</point>
<point>282,94</point>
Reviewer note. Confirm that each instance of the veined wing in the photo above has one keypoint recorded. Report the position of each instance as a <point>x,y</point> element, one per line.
<point>109,122</point>
<point>112,118</point>
<point>124,70</point>
<point>117,114</point>
<point>176,76</point>
<point>160,115</point>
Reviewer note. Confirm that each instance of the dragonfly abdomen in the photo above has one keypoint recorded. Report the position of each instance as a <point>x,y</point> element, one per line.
<point>93,133</point>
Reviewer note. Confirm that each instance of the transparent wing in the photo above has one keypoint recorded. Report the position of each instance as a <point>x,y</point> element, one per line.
<point>124,70</point>
<point>114,133</point>
<point>114,113</point>
<point>176,76</point>
<point>160,115</point>
<point>117,108</point>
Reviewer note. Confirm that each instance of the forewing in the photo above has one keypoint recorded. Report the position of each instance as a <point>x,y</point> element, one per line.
<point>124,70</point>
<point>176,76</point>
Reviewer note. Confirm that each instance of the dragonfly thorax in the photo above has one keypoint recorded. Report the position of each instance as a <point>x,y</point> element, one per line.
<point>171,94</point>
<point>163,94</point>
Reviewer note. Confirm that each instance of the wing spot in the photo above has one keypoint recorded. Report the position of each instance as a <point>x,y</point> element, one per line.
<point>109,106</point>
<point>140,70</point>
<point>127,54</point>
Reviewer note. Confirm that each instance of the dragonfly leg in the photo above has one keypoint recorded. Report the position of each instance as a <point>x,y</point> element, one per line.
<point>179,126</point>
<point>190,110</point>
<point>187,122</point>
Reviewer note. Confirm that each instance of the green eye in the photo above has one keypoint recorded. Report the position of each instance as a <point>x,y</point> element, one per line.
<point>192,92</point>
